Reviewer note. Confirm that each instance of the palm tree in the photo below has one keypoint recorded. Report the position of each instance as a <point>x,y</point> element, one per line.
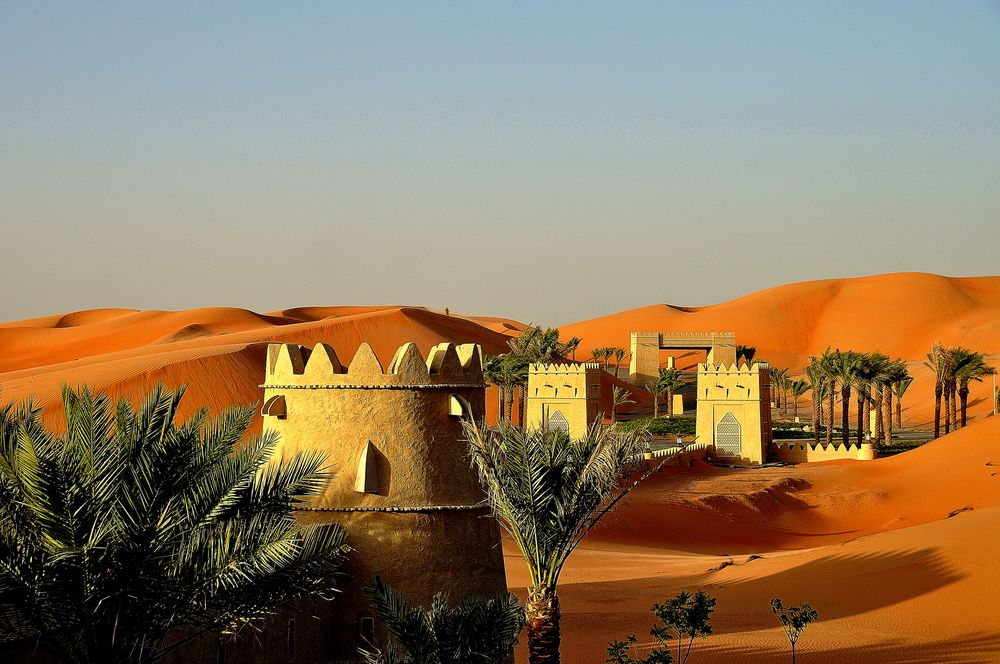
<point>895,372</point>
<point>656,390</point>
<point>843,367</point>
<point>619,397</point>
<point>475,631</point>
<point>129,527</point>
<point>817,382</point>
<point>547,491</point>
<point>569,348</point>
<point>827,364</point>
<point>619,354</point>
<point>937,361</point>
<point>779,379</point>
<point>899,389</point>
<point>602,354</point>
<point>507,372</point>
<point>879,368</point>
<point>746,352</point>
<point>975,369</point>
<point>798,388</point>
<point>672,381</point>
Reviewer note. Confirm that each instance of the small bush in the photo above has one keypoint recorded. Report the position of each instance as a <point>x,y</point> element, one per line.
<point>661,426</point>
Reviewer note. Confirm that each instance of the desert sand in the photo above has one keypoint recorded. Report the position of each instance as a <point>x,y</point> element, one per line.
<point>900,556</point>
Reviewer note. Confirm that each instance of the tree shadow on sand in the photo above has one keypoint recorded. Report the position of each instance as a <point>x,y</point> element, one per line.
<point>973,648</point>
<point>838,585</point>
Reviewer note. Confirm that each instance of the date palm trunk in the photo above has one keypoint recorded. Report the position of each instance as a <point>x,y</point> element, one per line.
<point>816,412</point>
<point>830,415</point>
<point>947,409</point>
<point>670,403</point>
<point>845,413</point>
<point>954,406</point>
<point>542,614</point>
<point>861,416</point>
<point>877,405</point>
<point>938,389</point>
<point>899,412</point>
<point>887,412</point>
<point>963,394</point>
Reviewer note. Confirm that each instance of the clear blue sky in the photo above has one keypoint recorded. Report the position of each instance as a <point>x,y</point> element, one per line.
<point>549,162</point>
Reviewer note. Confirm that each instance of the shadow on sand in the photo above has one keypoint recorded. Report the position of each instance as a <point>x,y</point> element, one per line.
<point>975,648</point>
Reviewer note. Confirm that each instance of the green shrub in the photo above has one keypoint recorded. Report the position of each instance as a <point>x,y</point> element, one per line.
<point>661,426</point>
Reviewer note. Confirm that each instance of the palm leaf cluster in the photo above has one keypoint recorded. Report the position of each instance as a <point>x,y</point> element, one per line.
<point>474,631</point>
<point>128,526</point>
<point>509,371</point>
<point>955,368</point>
<point>548,490</point>
<point>874,379</point>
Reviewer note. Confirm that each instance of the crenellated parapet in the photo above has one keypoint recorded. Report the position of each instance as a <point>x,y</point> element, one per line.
<point>754,369</point>
<point>802,451</point>
<point>446,365</point>
<point>563,368</point>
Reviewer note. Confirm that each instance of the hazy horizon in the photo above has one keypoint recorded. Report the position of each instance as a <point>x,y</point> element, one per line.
<point>548,164</point>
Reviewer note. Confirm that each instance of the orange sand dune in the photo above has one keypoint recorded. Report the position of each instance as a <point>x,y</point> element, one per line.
<point>219,351</point>
<point>900,556</point>
<point>899,314</point>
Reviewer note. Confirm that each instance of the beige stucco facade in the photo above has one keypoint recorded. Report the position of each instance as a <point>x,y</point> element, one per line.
<point>807,451</point>
<point>733,412</point>
<point>565,396</point>
<point>403,489</point>
<point>645,347</point>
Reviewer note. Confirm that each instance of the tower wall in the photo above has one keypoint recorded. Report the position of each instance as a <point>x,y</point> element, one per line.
<point>572,391</point>
<point>404,490</point>
<point>734,416</point>
<point>644,358</point>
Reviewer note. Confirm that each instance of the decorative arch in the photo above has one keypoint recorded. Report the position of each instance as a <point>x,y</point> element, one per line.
<point>729,437</point>
<point>558,422</point>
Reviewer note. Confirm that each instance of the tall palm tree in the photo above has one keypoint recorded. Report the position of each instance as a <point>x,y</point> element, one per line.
<point>672,381</point>
<point>779,381</point>
<point>817,381</point>
<point>507,372</point>
<point>746,352</point>
<point>474,631</point>
<point>602,354</point>
<point>827,363</point>
<point>881,368</point>
<point>975,369</point>
<point>656,390</point>
<point>798,388</point>
<point>895,371</point>
<point>937,361</point>
<point>130,526</point>
<point>619,354</point>
<point>548,491</point>
<point>843,368</point>
<point>619,397</point>
<point>899,389</point>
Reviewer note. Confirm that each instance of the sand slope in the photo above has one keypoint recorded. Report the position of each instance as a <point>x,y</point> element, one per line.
<point>219,352</point>
<point>901,557</point>
<point>899,314</point>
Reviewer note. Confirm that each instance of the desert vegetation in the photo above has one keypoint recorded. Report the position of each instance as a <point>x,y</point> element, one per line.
<point>682,619</point>
<point>130,535</point>
<point>473,631</point>
<point>548,491</point>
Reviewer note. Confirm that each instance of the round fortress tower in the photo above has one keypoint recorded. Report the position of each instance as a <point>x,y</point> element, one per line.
<point>403,490</point>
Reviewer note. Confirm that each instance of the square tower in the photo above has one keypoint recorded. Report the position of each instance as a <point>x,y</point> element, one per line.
<point>564,396</point>
<point>734,415</point>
